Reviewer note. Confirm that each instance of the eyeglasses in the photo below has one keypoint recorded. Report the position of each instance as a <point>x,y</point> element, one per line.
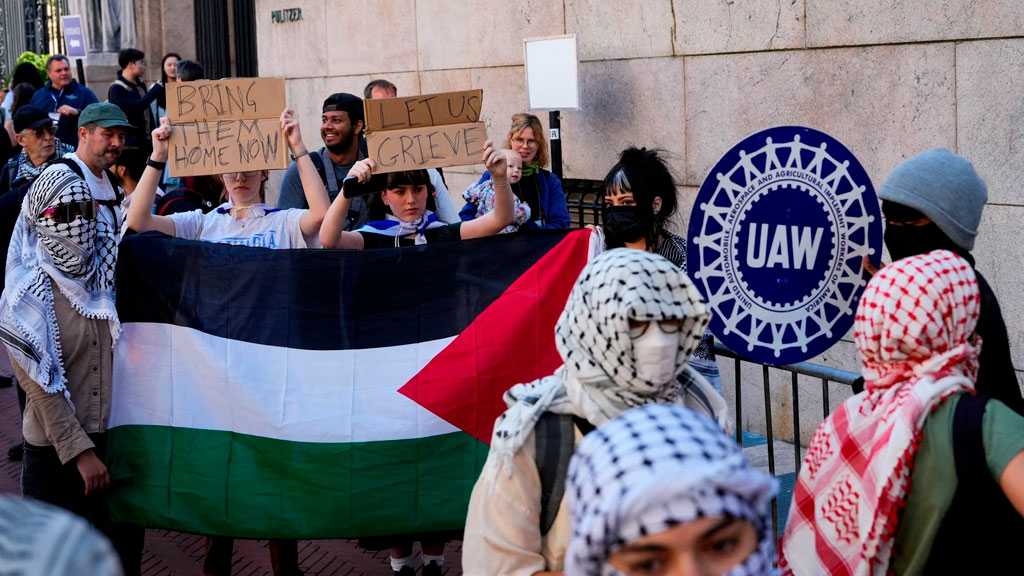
<point>66,213</point>
<point>529,143</point>
<point>638,328</point>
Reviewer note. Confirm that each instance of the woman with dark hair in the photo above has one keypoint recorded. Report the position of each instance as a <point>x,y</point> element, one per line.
<point>640,199</point>
<point>24,73</point>
<point>408,221</point>
<point>537,187</point>
<point>168,73</point>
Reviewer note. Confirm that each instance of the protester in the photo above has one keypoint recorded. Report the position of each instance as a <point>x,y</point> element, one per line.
<point>409,222</point>
<point>640,200</point>
<point>39,148</point>
<point>244,220</point>
<point>130,94</point>
<point>380,88</point>
<point>202,193</point>
<point>59,325</point>
<point>662,490</point>
<point>631,321</point>
<point>539,188</point>
<point>341,125</point>
<point>934,201</point>
<point>445,208</point>
<point>916,474</point>
<point>168,73</point>
<point>63,98</point>
<point>128,169</point>
<point>37,539</point>
<point>24,73</point>
<point>189,70</point>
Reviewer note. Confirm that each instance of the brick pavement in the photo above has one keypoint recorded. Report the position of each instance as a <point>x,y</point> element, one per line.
<point>176,554</point>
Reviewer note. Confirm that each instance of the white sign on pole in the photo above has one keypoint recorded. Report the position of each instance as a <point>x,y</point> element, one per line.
<point>552,73</point>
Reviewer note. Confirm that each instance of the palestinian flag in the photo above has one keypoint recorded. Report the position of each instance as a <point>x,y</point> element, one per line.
<point>322,394</point>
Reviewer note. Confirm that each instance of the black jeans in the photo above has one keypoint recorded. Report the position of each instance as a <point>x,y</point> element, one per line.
<point>44,478</point>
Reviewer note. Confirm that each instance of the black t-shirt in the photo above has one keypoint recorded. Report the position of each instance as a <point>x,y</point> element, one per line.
<point>528,190</point>
<point>438,234</point>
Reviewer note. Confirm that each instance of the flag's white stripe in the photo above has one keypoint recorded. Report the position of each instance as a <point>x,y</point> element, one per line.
<point>174,376</point>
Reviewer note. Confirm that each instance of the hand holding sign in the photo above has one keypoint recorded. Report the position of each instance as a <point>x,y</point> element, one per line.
<point>292,134</point>
<point>161,137</point>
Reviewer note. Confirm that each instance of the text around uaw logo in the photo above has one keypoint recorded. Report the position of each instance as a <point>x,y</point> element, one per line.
<point>777,240</point>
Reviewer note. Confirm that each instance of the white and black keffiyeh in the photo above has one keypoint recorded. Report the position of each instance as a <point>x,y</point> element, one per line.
<point>77,257</point>
<point>656,467</point>
<point>598,380</point>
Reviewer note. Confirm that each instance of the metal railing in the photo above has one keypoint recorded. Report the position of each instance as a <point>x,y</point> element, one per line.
<point>825,374</point>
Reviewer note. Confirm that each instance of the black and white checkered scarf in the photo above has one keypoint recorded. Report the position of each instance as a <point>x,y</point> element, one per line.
<point>77,258</point>
<point>654,468</point>
<point>598,380</point>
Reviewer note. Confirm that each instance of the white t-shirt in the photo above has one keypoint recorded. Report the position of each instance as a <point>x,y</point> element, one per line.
<point>262,227</point>
<point>100,187</point>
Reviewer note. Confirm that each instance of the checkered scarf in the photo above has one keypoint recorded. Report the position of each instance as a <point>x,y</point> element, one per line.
<point>599,379</point>
<point>77,258</point>
<point>23,167</point>
<point>915,333</point>
<point>656,467</point>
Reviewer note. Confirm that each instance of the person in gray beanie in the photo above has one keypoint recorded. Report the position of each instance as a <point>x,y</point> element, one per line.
<point>934,201</point>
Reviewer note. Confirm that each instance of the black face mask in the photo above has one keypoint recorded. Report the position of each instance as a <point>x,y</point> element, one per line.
<point>622,224</point>
<point>906,241</point>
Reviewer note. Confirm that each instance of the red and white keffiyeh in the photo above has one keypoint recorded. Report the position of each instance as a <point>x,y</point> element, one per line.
<point>915,333</point>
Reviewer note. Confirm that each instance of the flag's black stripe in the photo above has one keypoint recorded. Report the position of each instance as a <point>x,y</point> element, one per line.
<point>320,299</point>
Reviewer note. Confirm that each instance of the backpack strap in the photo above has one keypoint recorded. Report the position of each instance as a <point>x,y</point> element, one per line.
<point>555,438</point>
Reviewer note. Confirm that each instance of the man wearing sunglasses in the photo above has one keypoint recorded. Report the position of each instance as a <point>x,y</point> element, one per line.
<point>59,323</point>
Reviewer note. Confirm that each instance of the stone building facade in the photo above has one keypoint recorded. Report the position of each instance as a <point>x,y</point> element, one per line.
<point>889,79</point>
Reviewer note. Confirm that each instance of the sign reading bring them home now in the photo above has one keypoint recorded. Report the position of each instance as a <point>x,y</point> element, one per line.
<point>227,125</point>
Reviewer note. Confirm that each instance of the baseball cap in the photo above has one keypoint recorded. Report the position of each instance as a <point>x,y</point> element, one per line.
<point>29,116</point>
<point>345,102</point>
<point>104,115</point>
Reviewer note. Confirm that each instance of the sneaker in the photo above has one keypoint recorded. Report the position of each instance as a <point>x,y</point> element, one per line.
<point>405,571</point>
<point>432,569</point>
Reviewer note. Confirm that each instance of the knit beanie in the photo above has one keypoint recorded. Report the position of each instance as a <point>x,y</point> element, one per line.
<point>944,187</point>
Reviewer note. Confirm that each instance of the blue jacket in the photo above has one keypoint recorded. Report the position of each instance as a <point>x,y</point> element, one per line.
<point>554,212</point>
<point>74,95</point>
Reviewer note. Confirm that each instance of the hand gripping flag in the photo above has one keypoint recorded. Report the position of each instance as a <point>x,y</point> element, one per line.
<point>322,394</point>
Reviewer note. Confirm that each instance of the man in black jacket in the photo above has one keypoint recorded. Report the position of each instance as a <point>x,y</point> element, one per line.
<point>130,94</point>
<point>934,201</point>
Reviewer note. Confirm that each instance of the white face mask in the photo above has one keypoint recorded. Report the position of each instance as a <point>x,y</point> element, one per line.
<point>655,352</point>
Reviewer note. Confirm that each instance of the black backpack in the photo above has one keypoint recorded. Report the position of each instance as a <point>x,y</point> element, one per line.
<point>555,439</point>
<point>981,528</point>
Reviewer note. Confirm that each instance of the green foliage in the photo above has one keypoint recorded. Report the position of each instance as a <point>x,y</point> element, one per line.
<point>37,60</point>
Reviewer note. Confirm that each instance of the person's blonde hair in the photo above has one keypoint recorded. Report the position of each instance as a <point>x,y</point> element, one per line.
<point>522,121</point>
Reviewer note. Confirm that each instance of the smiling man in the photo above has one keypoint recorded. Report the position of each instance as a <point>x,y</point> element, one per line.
<point>63,98</point>
<point>341,126</point>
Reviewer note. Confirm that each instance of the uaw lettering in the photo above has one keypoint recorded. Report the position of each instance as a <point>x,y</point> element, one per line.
<point>429,131</point>
<point>777,239</point>
<point>226,126</point>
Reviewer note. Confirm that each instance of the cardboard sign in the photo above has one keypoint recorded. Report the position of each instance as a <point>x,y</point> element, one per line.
<point>429,147</point>
<point>422,111</point>
<point>226,126</point>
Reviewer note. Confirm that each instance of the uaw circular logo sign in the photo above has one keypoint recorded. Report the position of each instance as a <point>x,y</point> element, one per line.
<point>777,241</point>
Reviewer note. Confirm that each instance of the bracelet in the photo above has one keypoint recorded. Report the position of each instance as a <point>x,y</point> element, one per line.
<point>155,164</point>
<point>297,156</point>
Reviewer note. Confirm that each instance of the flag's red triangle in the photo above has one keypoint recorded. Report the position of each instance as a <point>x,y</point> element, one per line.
<point>511,341</point>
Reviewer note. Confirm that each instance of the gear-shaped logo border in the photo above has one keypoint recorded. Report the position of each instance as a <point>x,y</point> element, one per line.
<point>806,160</point>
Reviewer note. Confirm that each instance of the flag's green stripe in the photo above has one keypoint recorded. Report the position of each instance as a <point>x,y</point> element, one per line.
<point>234,484</point>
